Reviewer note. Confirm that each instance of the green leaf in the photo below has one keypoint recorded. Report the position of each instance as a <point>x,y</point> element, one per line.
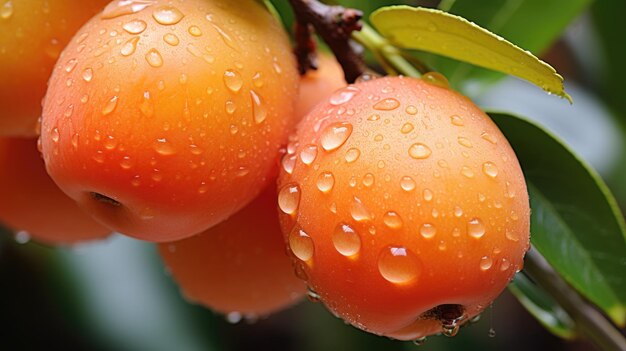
<point>455,37</point>
<point>575,222</point>
<point>543,307</point>
<point>531,24</point>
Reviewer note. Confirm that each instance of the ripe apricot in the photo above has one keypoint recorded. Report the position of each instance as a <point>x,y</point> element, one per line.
<point>240,265</point>
<point>317,85</point>
<point>32,34</point>
<point>404,205</point>
<point>163,119</point>
<point>33,203</point>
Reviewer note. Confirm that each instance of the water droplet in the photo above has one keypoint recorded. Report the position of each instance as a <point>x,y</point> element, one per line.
<point>368,180</point>
<point>301,244</point>
<point>458,212</point>
<point>259,111</point>
<point>230,107</point>
<point>308,154</point>
<point>428,195</point>
<point>257,81</point>
<point>88,74</point>
<point>399,265</point>
<point>167,15</point>
<point>412,110</point>
<point>69,67</point>
<point>428,231</point>
<point>475,228</point>
<point>392,220</point>
<point>6,11</point>
<point>420,341</point>
<point>406,128</point>
<point>125,7</point>
<point>289,163</point>
<point>135,26</point>
<point>110,143</point>
<point>289,199</point>
<point>511,235</point>
<point>171,39</point>
<point>464,141</point>
<point>505,265</point>
<point>467,172</point>
<point>68,112</point>
<point>343,95</point>
<point>227,38</point>
<point>490,169</point>
<point>74,141</point>
<point>490,138</point>
<point>407,183</point>
<point>373,117</point>
<point>233,80</point>
<point>387,104</point>
<point>110,106</point>
<point>130,46</point>
<point>419,151</point>
<point>491,333</point>
<point>147,106</point>
<point>335,135</point>
<point>457,120</point>
<point>163,147</point>
<point>352,155</point>
<point>485,263</point>
<point>436,78</point>
<point>195,31</point>
<point>54,134</point>
<point>154,58</point>
<point>358,211</point>
<point>126,163</point>
<point>325,182</point>
<point>346,240</point>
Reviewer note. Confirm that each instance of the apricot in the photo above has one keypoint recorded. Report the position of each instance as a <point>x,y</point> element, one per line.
<point>32,35</point>
<point>317,85</point>
<point>404,206</point>
<point>163,119</point>
<point>240,265</point>
<point>33,203</point>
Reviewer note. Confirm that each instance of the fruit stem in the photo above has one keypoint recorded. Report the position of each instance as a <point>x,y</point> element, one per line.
<point>588,319</point>
<point>385,52</point>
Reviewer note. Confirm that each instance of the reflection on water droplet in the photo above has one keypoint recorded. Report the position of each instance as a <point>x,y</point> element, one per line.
<point>465,142</point>
<point>289,199</point>
<point>399,265</point>
<point>352,155</point>
<point>233,80</point>
<point>167,15</point>
<point>6,11</point>
<point>419,151</point>
<point>490,169</point>
<point>335,135</point>
<point>428,231</point>
<point>163,147</point>
<point>147,106</point>
<point>135,26</point>
<point>346,240</point>
<point>467,172</point>
<point>259,111</point>
<point>343,95</point>
<point>485,263</point>
<point>412,110</point>
<point>308,154</point>
<point>406,128</point>
<point>437,79</point>
<point>475,228</point>
<point>88,74</point>
<point>154,58</point>
<point>511,235</point>
<point>392,220</point>
<point>110,106</point>
<point>125,7</point>
<point>195,31</point>
<point>428,195</point>
<point>457,120</point>
<point>171,39</point>
<point>368,180</point>
<point>490,138</point>
<point>69,67</point>
<point>301,244</point>
<point>130,46</point>
<point>387,104</point>
<point>325,182</point>
<point>407,183</point>
<point>230,107</point>
<point>358,211</point>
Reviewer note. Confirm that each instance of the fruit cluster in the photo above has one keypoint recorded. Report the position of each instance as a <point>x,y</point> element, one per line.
<point>401,205</point>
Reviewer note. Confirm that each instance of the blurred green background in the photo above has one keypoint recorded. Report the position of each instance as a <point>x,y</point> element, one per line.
<point>116,294</point>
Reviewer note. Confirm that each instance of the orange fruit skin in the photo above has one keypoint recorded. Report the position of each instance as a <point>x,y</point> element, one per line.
<point>319,84</point>
<point>181,123</point>
<point>32,35</point>
<point>401,229</point>
<point>32,202</point>
<point>240,265</point>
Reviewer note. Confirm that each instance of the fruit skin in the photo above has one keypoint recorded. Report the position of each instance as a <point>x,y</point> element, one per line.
<point>317,85</point>
<point>181,146</point>
<point>32,34</point>
<point>240,265</point>
<point>32,202</point>
<point>443,274</point>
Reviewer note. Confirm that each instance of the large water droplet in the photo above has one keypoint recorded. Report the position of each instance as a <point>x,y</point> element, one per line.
<point>392,220</point>
<point>419,151</point>
<point>130,46</point>
<point>490,169</point>
<point>399,265</point>
<point>412,110</point>
<point>346,240</point>
<point>259,111</point>
<point>308,154</point>
<point>475,228</point>
<point>110,106</point>
<point>343,95</point>
<point>6,10</point>
<point>407,183</point>
<point>289,199</point>
<point>301,244</point>
<point>154,58</point>
<point>136,26</point>
<point>485,263</point>
<point>436,78</point>
<point>325,182</point>
<point>335,135</point>
<point>167,15</point>
<point>87,74</point>
<point>233,80</point>
<point>428,231</point>
<point>358,211</point>
<point>387,104</point>
<point>289,163</point>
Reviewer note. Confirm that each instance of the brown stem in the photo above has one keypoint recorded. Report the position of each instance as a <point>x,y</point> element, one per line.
<point>335,25</point>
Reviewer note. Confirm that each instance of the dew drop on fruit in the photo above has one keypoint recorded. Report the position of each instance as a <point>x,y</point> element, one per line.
<point>163,147</point>
<point>171,39</point>
<point>458,212</point>
<point>167,15</point>
<point>195,31</point>
<point>490,169</point>
<point>490,138</point>
<point>110,143</point>
<point>399,265</point>
<point>22,237</point>
<point>485,263</point>
<point>68,111</point>
<point>343,95</point>
<point>352,155</point>
<point>87,74</point>
<point>301,244</point>
<point>136,26</point>
<point>233,80</point>
<point>74,141</point>
<point>257,80</point>
<point>125,7</point>
<point>154,58</point>
<point>6,11</point>
<point>146,106</point>
<point>419,151</point>
<point>504,265</point>
<point>126,163</point>
<point>464,142</point>
<point>130,46</point>
<point>110,106</point>
<point>457,120</point>
<point>406,128</point>
<point>437,79</point>
<point>312,296</point>
<point>358,211</point>
<point>407,183</point>
<point>259,111</point>
<point>308,154</point>
<point>69,67</point>
<point>467,172</point>
<point>325,182</point>
<point>54,134</point>
<point>387,104</point>
<point>289,163</point>
<point>511,235</point>
<point>335,135</point>
<point>475,228</point>
<point>368,180</point>
<point>225,37</point>
<point>428,231</point>
<point>230,107</point>
<point>346,240</point>
<point>392,220</point>
<point>412,110</point>
<point>428,195</point>
<point>289,199</point>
